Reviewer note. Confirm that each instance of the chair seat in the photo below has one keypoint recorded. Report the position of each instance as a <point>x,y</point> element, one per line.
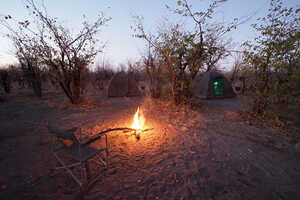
<point>85,153</point>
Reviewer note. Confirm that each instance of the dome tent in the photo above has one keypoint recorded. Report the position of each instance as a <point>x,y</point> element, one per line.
<point>212,85</point>
<point>123,84</point>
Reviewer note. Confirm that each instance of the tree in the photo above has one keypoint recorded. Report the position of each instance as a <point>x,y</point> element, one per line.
<point>103,73</point>
<point>237,66</point>
<point>55,46</point>
<point>153,66</point>
<point>26,52</point>
<point>30,64</point>
<point>185,53</point>
<point>5,80</point>
<point>274,54</point>
<point>167,45</point>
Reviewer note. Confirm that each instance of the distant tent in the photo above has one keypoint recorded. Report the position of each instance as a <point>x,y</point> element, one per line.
<point>123,84</point>
<point>1,99</point>
<point>212,85</point>
<point>238,85</point>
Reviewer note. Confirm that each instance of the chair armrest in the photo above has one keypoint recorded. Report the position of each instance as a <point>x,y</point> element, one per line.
<point>94,139</point>
<point>72,130</point>
<point>58,147</point>
<point>100,134</point>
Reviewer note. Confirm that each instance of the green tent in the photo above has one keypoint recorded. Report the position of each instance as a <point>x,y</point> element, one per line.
<point>212,85</point>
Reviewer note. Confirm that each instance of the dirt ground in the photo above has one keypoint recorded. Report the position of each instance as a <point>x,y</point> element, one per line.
<point>206,152</point>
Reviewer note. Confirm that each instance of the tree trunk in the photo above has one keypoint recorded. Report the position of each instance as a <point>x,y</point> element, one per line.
<point>32,74</point>
<point>37,87</point>
<point>5,81</point>
<point>66,91</point>
<point>176,90</point>
<point>76,91</point>
<point>155,87</point>
<point>76,87</point>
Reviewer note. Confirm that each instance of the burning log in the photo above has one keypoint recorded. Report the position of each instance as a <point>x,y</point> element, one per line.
<point>135,132</point>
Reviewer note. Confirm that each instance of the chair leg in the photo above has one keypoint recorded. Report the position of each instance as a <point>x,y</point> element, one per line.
<point>106,151</point>
<point>106,159</point>
<point>67,168</point>
<point>88,170</point>
<point>103,161</point>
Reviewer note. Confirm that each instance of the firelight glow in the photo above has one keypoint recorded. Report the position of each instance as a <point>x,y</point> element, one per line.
<point>138,120</point>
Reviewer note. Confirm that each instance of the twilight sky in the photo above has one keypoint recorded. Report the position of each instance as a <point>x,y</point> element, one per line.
<point>121,46</point>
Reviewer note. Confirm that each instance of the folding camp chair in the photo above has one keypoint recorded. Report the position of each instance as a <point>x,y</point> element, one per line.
<point>66,147</point>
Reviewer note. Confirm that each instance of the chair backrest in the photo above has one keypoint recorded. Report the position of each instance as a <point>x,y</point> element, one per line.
<point>67,137</point>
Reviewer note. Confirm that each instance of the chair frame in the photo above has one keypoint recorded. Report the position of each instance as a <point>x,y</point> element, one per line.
<point>78,145</point>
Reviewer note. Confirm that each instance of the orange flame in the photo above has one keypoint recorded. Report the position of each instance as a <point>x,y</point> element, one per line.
<point>138,120</point>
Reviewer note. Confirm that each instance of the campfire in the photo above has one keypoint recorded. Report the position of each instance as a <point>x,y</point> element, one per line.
<point>137,128</point>
<point>138,123</point>
<point>138,120</point>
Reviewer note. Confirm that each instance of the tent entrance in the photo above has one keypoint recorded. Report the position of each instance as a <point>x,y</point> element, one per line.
<point>219,86</point>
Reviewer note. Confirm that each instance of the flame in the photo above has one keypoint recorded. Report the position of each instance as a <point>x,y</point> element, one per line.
<point>138,120</point>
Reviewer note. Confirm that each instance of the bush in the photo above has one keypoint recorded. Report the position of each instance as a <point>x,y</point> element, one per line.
<point>5,80</point>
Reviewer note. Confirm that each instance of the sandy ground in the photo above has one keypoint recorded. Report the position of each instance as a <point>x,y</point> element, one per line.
<point>201,153</point>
